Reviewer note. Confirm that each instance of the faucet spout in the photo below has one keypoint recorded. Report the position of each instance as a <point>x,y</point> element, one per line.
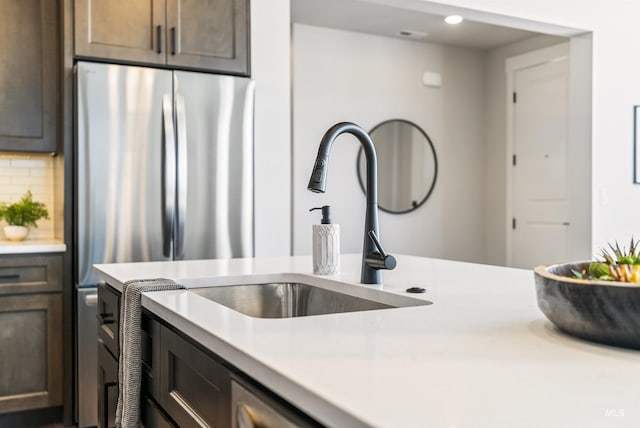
<point>371,256</point>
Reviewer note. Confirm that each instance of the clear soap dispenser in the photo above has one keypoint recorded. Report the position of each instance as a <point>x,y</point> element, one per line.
<point>326,244</point>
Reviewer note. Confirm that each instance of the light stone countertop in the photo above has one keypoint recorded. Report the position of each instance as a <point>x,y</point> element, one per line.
<point>482,355</point>
<point>32,246</point>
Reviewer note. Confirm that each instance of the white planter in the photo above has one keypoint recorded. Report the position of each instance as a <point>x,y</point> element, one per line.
<point>16,233</point>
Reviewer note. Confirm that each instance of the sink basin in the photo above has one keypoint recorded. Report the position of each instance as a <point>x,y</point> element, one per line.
<point>293,299</point>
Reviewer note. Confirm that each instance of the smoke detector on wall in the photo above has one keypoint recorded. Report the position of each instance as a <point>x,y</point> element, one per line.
<point>412,34</point>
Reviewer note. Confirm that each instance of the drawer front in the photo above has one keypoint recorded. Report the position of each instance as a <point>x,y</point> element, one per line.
<point>109,318</point>
<point>151,416</point>
<point>20,274</point>
<point>150,336</point>
<point>107,388</point>
<point>252,403</point>
<point>195,388</point>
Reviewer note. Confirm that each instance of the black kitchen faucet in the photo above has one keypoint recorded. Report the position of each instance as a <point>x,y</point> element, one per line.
<point>374,257</point>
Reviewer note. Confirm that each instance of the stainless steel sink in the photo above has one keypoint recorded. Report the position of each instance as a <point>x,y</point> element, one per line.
<point>292,299</point>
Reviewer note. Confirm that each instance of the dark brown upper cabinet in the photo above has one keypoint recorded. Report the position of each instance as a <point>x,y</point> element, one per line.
<point>28,75</point>
<point>210,35</point>
<point>127,30</point>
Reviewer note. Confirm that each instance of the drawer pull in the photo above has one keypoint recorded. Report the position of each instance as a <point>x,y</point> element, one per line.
<point>105,318</point>
<point>15,276</point>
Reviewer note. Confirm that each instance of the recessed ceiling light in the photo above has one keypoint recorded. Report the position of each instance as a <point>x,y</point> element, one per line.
<point>453,19</point>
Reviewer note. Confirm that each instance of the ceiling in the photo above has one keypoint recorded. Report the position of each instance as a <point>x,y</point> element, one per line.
<point>364,17</point>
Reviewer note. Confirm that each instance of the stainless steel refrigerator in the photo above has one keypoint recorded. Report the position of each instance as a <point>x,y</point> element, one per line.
<point>164,171</point>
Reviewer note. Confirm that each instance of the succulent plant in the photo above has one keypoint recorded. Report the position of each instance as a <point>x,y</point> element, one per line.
<point>617,264</point>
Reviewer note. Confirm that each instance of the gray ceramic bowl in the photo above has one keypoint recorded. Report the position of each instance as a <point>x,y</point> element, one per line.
<point>599,311</point>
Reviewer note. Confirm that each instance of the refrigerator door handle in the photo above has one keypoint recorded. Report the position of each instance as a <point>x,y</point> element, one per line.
<point>181,174</point>
<point>169,174</point>
<point>91,299</point>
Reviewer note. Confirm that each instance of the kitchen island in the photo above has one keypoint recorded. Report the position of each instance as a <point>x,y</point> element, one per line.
<point>481,355</point>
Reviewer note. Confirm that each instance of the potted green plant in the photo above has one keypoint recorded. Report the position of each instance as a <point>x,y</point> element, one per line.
<point>20,215</point>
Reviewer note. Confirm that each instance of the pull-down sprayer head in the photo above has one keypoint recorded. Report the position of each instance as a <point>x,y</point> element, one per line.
<point>318,180</point>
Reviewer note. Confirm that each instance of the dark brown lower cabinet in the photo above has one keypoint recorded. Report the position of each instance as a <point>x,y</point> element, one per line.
<point>151,416</point>
<point>183,384</point>
<point>195,389</point>
<point>107,387</point>
<point>108,318</point>
<point>30,352</point>
<point>108,375</point>
<point>150,357</point>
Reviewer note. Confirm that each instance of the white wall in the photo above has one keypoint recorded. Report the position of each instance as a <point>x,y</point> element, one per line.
<point>270,54</point>
<point>615,200</point>
<point>580,137</point>
<point>345,76</point>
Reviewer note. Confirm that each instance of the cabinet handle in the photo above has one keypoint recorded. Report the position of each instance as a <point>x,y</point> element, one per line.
<point>105,318</point>
<point>159,38</point>
<point>173,40</point>
<point>10,277</point>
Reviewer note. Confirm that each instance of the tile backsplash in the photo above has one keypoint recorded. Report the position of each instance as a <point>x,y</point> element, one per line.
<point>21,172</point>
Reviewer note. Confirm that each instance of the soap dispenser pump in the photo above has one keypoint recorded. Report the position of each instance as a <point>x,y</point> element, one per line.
<point>326,244</point>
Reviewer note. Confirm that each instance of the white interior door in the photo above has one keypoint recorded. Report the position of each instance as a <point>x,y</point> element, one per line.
<point>540,186</point>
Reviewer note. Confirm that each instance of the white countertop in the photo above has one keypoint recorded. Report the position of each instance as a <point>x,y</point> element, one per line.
<point>31,246</point>
<point>482,355</point>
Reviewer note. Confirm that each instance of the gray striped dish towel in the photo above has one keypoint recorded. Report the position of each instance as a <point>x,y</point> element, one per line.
<point>130,363</point>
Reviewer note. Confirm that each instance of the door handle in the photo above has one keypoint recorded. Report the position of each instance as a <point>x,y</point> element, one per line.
<point>169,175</point>
<point>182,175</point>
<point>91,299</point>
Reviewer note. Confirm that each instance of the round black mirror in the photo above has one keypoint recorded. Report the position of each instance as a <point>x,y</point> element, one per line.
<point>407,165</point>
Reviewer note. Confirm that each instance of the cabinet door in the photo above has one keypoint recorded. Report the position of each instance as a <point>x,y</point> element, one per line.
<point>28,75</point>
<point>30,352</point>
<point>151,416</point>
<point>195,388</point>
<point>209,34</point>
<point>150,339</point>
<point>107,388</point>
<point>127,30</point>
